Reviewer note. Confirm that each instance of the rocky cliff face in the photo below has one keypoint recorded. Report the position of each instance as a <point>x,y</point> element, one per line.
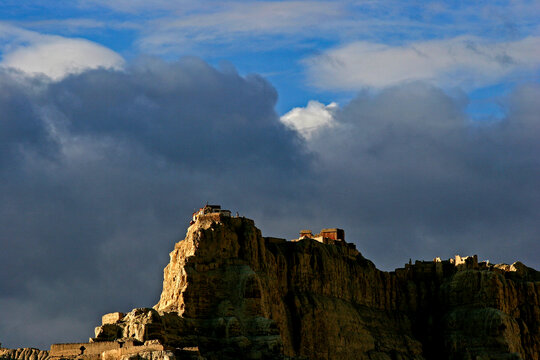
<point>229,293</point>
<point>23,354</point>
<point>314,300</point>
<point>328,302</point>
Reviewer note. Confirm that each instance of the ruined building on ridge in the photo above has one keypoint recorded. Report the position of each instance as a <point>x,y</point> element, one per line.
<point>209,210</point>
<point>326,236</point>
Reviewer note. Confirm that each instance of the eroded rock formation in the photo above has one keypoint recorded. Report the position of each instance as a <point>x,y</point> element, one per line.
<point>229,293</point>
<point>328,302</point>
<point>241,295</point>
<point>23,354</point>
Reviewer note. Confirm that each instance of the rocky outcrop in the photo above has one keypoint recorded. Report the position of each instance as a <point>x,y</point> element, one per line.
<point>230,293</point>
<point>489,314</point>
<point>23,354</point>
<point>329,302</point>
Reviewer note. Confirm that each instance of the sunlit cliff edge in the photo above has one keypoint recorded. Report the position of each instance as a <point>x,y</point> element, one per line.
<point>230,293</point>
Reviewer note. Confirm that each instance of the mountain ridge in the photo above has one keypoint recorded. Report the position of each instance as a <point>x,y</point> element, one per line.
<point>230,293</point>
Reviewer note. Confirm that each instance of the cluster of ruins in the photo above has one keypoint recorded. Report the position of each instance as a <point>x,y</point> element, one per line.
<point>209,210</point>
<point>99,349</point>
<point>326,236</point>
<point>445,267</point>
<point>336,236</point>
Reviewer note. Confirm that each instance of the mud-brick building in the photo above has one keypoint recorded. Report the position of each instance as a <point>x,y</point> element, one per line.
<point>326,236</point>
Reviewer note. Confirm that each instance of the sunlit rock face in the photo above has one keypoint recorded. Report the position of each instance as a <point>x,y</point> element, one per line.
<point>326,301</point>
<point>230,293</point>
<point>23,354</point>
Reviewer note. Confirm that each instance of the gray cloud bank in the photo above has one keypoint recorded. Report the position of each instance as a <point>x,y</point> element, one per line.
<point>419,178</point>
<point>100,171</point>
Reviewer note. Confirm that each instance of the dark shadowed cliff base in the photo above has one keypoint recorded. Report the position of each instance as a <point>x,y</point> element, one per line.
<point>229,293</point>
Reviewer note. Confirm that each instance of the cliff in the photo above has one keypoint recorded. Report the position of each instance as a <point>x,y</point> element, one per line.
<point>230,293</point>
<point>329,302</point>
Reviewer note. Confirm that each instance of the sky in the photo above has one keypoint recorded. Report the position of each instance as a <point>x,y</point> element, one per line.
<point>412,125</point>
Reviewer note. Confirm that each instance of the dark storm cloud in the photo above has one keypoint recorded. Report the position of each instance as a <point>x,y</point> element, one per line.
<point>101,170</point>
<point>423,180</point>
<point>187,112</point>
<point>19,124</point>
<point>100,173</point>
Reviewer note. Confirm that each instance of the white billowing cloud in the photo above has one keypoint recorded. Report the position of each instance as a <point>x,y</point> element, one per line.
<point>463,61</point>
<point>55,56</point>
<point>310,119</point>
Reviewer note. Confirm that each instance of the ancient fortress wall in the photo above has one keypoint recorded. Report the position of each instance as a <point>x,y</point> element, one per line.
<point>71,350</point>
